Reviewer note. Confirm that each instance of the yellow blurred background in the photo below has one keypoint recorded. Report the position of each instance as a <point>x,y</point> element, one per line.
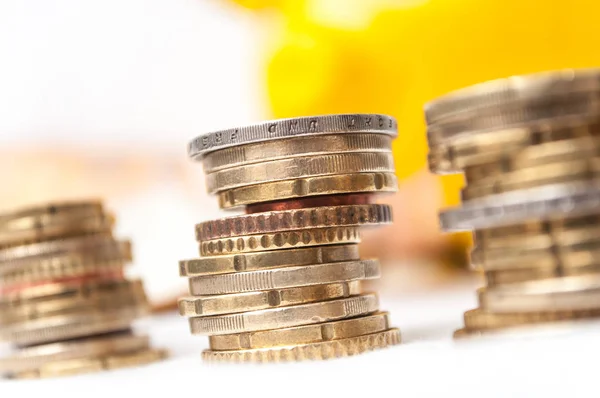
<point>98,98</point>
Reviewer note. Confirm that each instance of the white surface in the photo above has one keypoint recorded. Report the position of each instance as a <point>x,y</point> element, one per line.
<point>429,363</point>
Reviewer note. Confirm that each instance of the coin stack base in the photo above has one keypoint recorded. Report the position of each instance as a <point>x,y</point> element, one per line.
<point>283,281</point>
<point>64,301</point>
<point>528,147</point>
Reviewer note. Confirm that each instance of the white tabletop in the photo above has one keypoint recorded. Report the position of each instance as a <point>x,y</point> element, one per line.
<point>428,363</point>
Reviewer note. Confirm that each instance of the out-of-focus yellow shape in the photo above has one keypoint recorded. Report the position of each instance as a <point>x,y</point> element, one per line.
<point>393,56</point>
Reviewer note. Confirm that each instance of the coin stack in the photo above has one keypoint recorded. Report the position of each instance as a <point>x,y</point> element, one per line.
<point>283,281</point>
<point>64,300</point>
<point>529,150</point>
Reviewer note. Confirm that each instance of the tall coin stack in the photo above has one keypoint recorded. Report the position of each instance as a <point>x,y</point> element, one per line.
<point>282,282</point>
<point>529,149</point>
<point>64,301</point>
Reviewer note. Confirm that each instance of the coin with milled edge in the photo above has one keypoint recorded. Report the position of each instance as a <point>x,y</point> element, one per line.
<point>294,219</point>
<point>251,301</point>
<point>313,351</point>
<point>310,166</point>
<point>294,127</point>
<point>294,147</point>
<point>275,318</point>
<point>306,334</point>
<point>278,278</point>
<point>49,211</point>
<point>280,240</point>
<point>309,186</point>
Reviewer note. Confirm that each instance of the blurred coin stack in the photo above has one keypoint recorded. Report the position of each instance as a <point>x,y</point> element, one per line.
<point>64,301</point>
<point>282,282</point>
<point>529,149</point>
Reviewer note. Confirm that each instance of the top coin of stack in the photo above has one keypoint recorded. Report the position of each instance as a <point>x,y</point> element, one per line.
<point>64,300</point>
<point>283,282</point>
<point>528,147</point>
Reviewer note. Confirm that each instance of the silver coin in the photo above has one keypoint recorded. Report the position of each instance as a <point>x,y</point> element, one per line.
<point>514,207</point>
<point>515,89</point>
<point>294,127</point>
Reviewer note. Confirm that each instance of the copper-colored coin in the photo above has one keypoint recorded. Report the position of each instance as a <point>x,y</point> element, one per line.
<point>294,220</point>
<point>311,201</point>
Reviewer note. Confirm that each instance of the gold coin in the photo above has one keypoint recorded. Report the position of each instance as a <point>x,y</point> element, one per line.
<point>295,147</point>
<point>65,265</point>
<point>65,227</point>
<point>31,358</point>
<point>98,302</point>
<point>544,262</point>
<point>263,260</point>
<point>503,277</point>
<point>312,351</point>
<point>515,148</point>
<point>252,301</point>
<point>280,278</point>
<point>280,240</point>
<point>478,319</point>
<point>78,288</point>
<point>32,215</point>
<point>275,318</point>
<point>500,300</point>
<point>51,329</point>
<point>299,335</point>
<point>294,220</point>
<point>531,177</point>
<point>79,244</point>
<point>308,186</point>
<point>94,364</point>
<point>310,166</point>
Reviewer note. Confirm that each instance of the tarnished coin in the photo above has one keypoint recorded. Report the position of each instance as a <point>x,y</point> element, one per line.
<point>271,259</point>
<point>251,301</point>
<point>32,358</point>
<point>275,318</point>
<point>280,240</point>
<point>288,128</point>
<point>295,147</point>
<point>294,220</point>
<point>310,166</point>
<point>312,351</point>
<point>279,278</point>
<point>307,334</point>
<point>309,186</point>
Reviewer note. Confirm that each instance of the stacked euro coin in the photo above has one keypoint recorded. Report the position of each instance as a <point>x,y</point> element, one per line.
<point>529,150</point>
<point>65,304</point>
<point>283,281</point>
